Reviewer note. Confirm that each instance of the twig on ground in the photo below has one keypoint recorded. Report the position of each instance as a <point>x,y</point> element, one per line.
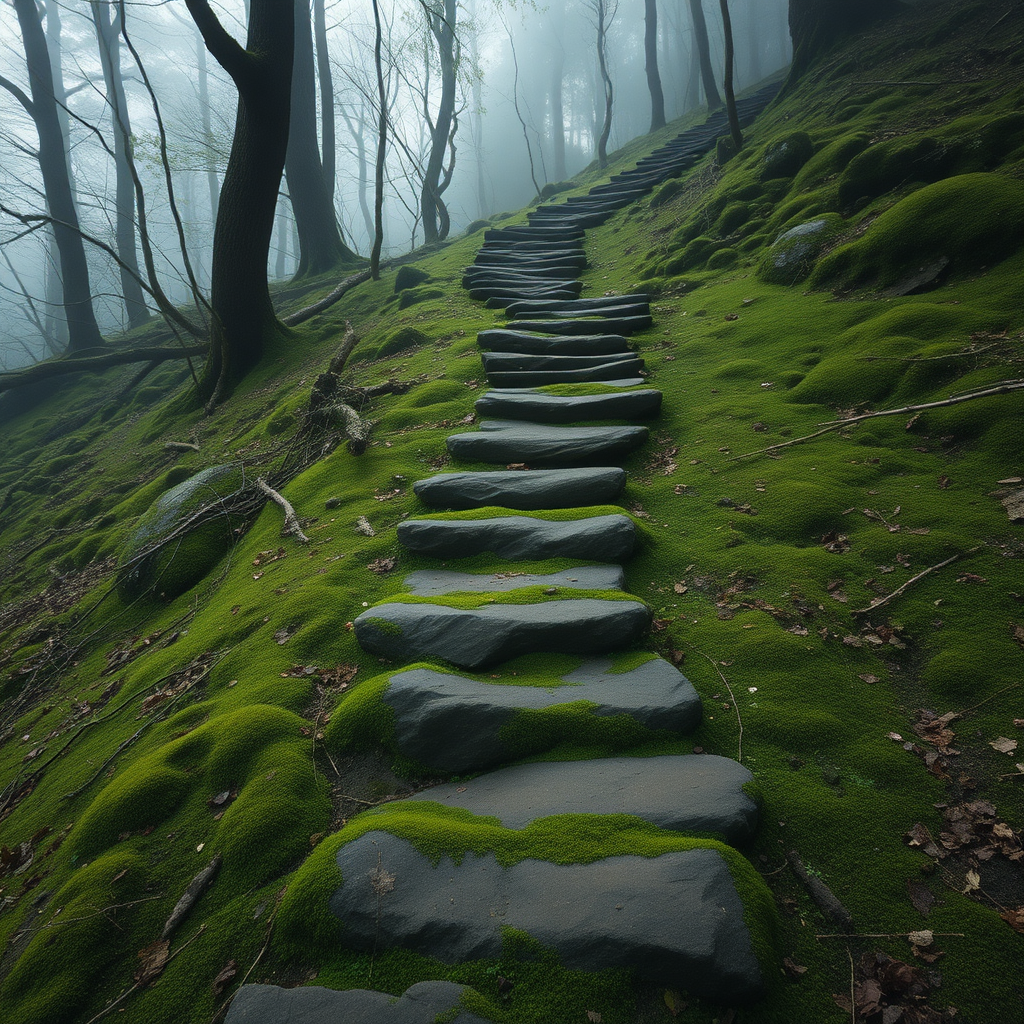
<point>259,956</point>
<point>191,895</point>
<point>732,698</point>
<point>879,601</point>
<point>981,703</point>
<point>853,988</point>
<point>822,895</point>
<point>291,520</point>
<point>889,935</point>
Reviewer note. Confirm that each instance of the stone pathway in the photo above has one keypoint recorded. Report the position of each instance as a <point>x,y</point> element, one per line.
<point>671,910</point>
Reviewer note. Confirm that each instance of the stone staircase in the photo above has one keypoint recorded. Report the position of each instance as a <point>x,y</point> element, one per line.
<point>614,862</point>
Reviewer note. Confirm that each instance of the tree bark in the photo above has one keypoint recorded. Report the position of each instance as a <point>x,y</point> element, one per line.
<point>601,10</point>
<point>108,37</point>
<point>320,244</point>
<point>730,96</point>
<point>212,182</point>
<point>382,142</point>
<point>816,24</point>
<point>651,64</point>
<point>700,33</point>
<point>323,70</point>
<point>441,22</point>
<point>244,315</point>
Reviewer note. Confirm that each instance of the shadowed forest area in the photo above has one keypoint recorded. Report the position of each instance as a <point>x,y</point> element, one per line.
<point>273,276</point>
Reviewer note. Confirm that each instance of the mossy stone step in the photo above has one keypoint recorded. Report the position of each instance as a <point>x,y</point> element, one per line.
<point>504,441</point>
<point>587,375</point>
<point>453,724</point>
<point>699,794</point>
<point>598,538</point>
<point>437,582</point>
<point>424,1003</point>
<point>595,304</point>
<point>562,312</point>
<point>607,325</point>
<point>503,293</point>
<point>506,362</point>
<point>531,233</point>
<point>525,491</point>
<point>501,340</point>
<point>676,919</point>
<point>540,407</point>
<point>477,637</point>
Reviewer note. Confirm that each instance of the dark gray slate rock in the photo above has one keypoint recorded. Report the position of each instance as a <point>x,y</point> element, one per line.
<point>617,325</point>
<point>693,793</point>
<point>527,491</point>
<point>498,340</point>
<point>435,582</point>
<point>541,378</point>
<point>594,304</point>
<point>422,1004</point>
<point>538,407</point>
<point>503,442</point>
<point>496,362</point>
<point>474,638</point>
<point>452,724</point>
<point>792,255</point>
<point>561,312</point>
<point>597,539</point>
<point>677,919</point>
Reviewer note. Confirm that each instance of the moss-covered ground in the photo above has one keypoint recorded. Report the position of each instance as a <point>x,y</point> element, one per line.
<point>139,739</point>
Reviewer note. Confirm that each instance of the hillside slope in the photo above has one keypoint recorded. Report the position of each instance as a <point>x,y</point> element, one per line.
<point>142,735</point>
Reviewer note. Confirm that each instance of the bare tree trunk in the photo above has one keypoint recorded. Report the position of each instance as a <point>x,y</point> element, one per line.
<point>382,143</point>
<point>357,127</point>
<point>83,332</point>
<point>604,16</point>
<point>323,70</point>
<point>700,31</point>
<point>437,177</point>
<point>730,96</point>
<point>651,55</point>
<point>212,182</point>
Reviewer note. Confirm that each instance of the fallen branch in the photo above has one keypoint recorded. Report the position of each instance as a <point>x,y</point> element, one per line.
<point>291,520</point>
<point>180,446</point>
<point>189,898</point>
<point>736,707</point>
<point>348,342</point>
<point>1000,389</point>
<point>110,760</point>
<point>879,601</point>
<point>820,892</point>
<point>302,315</point>
<point>259,956</point>
<point>890,935</point>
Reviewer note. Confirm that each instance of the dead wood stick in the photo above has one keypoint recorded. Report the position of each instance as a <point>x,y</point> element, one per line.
<point>188,900</point>
<point>348,342</point>
<point>259,956</point>
<point>890,935</point>
<point>302,315</point>
<point>879,601</point>
<point>820,892</point>
<point>736,707</point>
<point>291,520</point>
<point>1001,389</point>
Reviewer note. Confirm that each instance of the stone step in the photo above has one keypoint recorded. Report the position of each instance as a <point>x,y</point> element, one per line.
<point>482,274</point>
<point>693,793</point>
<point>533,233</point>
<point>613,325</point>
<point>439,582</point>
<point>503,362</point>
<point>530,265</point>
<point>562,312</point>
<point>530,245</point>
<point>528,491</point>
<point>455,725</point>
<point>501,340</point>
<point>424,1003</point>
<point>676,919</point>
<point>503,442</point>
<point>611,370</point>
<point>594,304</point>
<point>478,637</point>
<point>538,407</point>
<point>505,293</point>
<point>607,538</point>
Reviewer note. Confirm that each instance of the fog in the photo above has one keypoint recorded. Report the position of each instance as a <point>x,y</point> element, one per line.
<point>528,110</point>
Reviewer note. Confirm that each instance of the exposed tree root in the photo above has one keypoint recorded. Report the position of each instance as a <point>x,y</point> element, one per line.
<point>291,520</point>
<point>820,893</point>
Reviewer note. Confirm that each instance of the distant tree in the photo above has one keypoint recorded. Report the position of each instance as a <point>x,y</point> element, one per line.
<point>604,12</point>
<point>651,64</point>
<point>816,24</point>
<point>730,96</point>
<point>441,22</point>
<point>700,37</point>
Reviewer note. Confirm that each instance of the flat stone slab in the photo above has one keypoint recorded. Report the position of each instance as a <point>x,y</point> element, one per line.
<point>526,491</point>
<point>541,378</point>
<point>498,340</point>
<point>452,724</point>
<point>692,793</point>
<point>539,407</point>
<point>597,539</point>
<point>676,919</point>
<point>505,361</point>
<point>436,582</point>
<point>474,638</point>
<point>618,325</point>
<point>504,441</point>
<point>423,1003</point>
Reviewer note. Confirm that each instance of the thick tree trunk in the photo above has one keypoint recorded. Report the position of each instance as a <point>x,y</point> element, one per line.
<point>651,64</point>
<point>108,37</point>
<point>83,332</point>
<point>382,142</point>
<point>816,24</point>
<point>730,96</point>
<point>320,244</point>
<point>323,71</point>
<point>436,176</point>
<point>707,74</point>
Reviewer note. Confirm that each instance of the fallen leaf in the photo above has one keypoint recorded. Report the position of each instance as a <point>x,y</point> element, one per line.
<point>674,1001</point>
<point>793,969</point>
<point>973,882</point>
<point>1004,745</point>
<point>920,896</point>
<point>868,678</point>
<point>153,958</point>
<point>922,938</point>
<point>1015,919</point>
<point>594,1017</point>
<point>382,565</point>
<point>225,978</point>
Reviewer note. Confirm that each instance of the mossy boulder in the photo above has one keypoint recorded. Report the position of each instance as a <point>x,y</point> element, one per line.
<point>150,565</point>
<point>972,220</point>
<point>887,165</point>
<point>411,296</point>
<point>783,158</point>
<point>790,258</point>
<point>409,277</point>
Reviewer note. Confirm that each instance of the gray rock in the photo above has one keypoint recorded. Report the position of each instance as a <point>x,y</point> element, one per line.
<point>791,257</point>
<point>473,638</point>
<point>499,362</point>
<point>452,724</point>
<point>676,919</point>
<point>539,407</point>
<point>691,793</point>
<point>435,582</point>
<point>597,539</point>
<point>502,441</point>
<point>498,340</point>
<point>604,325</point>
<point>541,378</point>
<point>423,1003</point>
<point>528,491</point>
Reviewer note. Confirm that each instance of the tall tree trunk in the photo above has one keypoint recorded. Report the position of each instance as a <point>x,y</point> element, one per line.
<point>651,63</point>
<point>756,43</point>
<point>357,129</point>
<point>209,147</point>
<point>730,96</point>
<point>108,37</point>
<point>441,22</point>
<point>700,33</point>
<point>323,70</point>
<point>83,332</point>
<point>320,244</point>
<point>816,24</point>
<point>600,7</point>
<point>382,142</point>
<point>244,315</point>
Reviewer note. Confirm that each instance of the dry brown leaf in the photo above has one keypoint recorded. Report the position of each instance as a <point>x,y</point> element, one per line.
<point>1003,744</point>
<point>153,958</point>
<point>226,976</point>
